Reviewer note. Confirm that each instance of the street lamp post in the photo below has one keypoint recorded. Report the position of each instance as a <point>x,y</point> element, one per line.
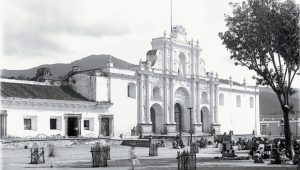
<point>191,132</point>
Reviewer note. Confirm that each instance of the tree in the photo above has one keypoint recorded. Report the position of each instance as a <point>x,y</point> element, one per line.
<point>263,35</point>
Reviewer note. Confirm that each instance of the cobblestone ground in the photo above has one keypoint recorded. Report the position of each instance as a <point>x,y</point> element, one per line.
<point>79,157</point>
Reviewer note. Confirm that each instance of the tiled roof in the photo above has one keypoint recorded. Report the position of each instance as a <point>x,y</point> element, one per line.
<point>39,92</point>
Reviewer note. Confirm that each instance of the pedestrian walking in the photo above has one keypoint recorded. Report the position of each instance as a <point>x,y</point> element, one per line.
<point>51,154</point>
<point>134,159</point>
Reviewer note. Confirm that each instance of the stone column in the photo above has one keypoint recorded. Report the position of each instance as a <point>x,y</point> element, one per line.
<point>211,101</point>
<point>171,56</point>
<point>171,113</point>
<point>140,100</point>
<point>192,57</point>
<point>197,58</point>
<point>147,102</point>
<point>168,106</point>
<point>192,102</point>
<point>164,53</point>
<point>198,103</point>
<point>166,101</point>
<point>216,103</point>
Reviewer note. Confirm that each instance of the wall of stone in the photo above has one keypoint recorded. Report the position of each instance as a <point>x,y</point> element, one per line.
<point>21,143</point>
<point>84,84</point>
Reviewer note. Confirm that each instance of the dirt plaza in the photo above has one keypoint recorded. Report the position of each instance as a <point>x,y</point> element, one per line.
<point>79,157</point>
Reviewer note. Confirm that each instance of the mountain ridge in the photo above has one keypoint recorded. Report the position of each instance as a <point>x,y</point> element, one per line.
<point>60,69</point>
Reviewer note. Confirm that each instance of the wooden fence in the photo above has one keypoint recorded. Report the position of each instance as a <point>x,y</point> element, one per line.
<point>186,160</point>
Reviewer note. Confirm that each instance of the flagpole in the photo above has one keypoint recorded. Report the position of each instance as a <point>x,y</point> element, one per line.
<point>171,15</point>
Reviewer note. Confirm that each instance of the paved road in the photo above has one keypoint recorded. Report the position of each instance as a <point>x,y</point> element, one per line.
<point>79,157</point>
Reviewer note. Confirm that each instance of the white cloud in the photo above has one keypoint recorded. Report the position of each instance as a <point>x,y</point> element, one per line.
<point>54,31</point>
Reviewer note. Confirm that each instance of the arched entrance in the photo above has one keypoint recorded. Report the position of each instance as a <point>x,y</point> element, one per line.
<point>181,113</point>
<point>205,119</point>
<point>178,117</point>
<point>156,115</point>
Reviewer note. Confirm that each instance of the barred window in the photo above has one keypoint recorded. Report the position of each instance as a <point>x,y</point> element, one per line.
<point>27,124</point>
<point>86,125</point>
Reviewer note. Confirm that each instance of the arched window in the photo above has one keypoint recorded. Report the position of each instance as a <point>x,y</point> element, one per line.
<point>131,91</point>
<point>238,101</point>
<point>221,99</point>
<point>156,92</point>
<point>251,102</point>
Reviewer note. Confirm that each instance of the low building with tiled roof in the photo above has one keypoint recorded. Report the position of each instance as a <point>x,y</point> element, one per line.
<point>31,109</point>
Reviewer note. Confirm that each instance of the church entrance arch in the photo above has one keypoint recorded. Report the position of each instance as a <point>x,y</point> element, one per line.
<point>181,114</point>
<point>205,119</point>
<point>156,115</point>
<point>179,117</point>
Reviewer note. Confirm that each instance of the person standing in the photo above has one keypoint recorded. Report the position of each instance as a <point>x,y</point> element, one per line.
<point>51,154</point>
<point>134,160</point>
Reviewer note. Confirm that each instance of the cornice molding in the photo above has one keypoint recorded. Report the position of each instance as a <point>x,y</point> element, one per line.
<point>237,90</point>
<point>46,104</point>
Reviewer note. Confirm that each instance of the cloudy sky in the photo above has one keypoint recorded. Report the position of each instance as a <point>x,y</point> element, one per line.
<point>39,32</point>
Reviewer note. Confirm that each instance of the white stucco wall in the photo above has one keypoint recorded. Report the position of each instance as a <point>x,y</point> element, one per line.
<point>15,122</point>
<point>124,108</point>
<point>239,119</point>
<point>102,89</point>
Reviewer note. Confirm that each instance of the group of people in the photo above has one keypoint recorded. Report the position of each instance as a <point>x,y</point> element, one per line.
<point>178,142</point>
<point>275,150</point>
<point>202,143</point>
<point>227,149</point>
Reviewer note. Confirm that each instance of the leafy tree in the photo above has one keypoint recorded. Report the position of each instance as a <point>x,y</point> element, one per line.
<point>263,35</point>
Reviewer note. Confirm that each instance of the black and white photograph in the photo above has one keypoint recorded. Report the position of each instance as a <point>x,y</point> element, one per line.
<point>150,84</point>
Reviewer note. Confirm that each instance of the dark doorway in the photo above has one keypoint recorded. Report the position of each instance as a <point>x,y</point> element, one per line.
<point>178,117</point>
<point>73,126</point>
<point>152,116</point>
<point>105,126</point>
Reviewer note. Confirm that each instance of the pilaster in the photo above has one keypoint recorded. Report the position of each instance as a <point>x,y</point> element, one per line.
<point>166,101</point>
<point>164,53</point>
<point>211,99</point>
<point>171,113</point>
<point>198,125</point>
<point>171,56</point>
<point>193,59</point>
<point>192,104</point>
<point>147,102</point>
<point>140,100</point>
<point>216,111</point>
<point>197,58</point>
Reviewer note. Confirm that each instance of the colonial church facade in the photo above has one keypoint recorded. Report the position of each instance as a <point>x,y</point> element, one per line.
<point>168,93</point>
